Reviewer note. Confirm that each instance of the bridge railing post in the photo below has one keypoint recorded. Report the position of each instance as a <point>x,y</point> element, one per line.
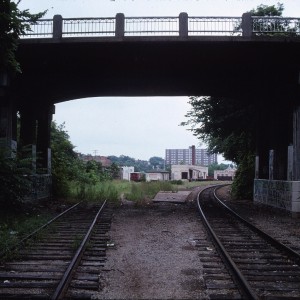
<point>247,24</point>
<point>57,26</point>
<point>120,25</point>
<point>183,24</point>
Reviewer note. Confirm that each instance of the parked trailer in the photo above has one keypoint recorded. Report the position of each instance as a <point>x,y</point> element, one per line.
<point>137,176</point>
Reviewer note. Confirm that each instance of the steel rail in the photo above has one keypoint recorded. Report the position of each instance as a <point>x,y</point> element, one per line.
<point>63,284</point>
<point>14,247</point>
<point>246,289</point>
<point>278,245</point>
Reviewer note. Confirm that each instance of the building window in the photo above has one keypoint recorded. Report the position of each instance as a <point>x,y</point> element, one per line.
<point>184,175</point>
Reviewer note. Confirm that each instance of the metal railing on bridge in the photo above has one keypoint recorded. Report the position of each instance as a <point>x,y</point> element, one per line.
<point>182,26</point>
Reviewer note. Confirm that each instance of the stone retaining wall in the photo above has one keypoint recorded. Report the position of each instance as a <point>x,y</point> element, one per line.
<point>278,193</point>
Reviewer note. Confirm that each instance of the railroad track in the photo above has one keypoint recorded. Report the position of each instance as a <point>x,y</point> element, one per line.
<point>62,263</point>
<point>260,266</point>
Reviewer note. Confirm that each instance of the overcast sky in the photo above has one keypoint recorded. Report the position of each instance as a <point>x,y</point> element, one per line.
<point>138,127</point>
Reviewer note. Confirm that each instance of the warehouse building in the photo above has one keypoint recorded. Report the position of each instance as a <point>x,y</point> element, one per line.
<point>188,172</point>
<point>227,174</point>
<point>157,175</point>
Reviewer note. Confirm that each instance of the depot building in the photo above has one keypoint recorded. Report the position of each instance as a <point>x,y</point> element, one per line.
<point>188,172</point>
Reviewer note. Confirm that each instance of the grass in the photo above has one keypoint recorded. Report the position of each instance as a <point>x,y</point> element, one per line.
<point>147,190</point>
<point>14,226</point>
<point>93,193</point>
<point>189,185</point>
<point>135,191</point>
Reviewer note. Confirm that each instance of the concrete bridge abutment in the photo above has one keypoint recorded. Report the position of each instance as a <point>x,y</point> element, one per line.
<point>35,133</point>
<point>277,174</point>
<point>34,127</point>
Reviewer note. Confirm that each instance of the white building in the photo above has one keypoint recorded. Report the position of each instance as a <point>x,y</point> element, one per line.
<point>188,172</point>
<point>157,176</point>
<point>227,174</point>
<point>125,172</point>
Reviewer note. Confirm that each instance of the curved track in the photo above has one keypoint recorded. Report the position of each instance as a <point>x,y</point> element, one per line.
<point>62,263</point>
<point>261,267</point>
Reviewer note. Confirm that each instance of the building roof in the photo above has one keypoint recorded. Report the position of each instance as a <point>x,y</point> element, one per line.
<point>157,171</point>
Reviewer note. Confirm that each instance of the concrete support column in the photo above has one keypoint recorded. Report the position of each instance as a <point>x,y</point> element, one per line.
<point>296,144</point>
<point>262,143</point>
<point>256,167</point>
<point>120,25</point>
<point>271,164</point>
<point>57,26</point>
<point>247,24</point>
<point>183,25</point>
<point>8,125</point>
<point>290,175</point>
<point>44,119</point>
<point>28,125</point>
<point>28,128</point>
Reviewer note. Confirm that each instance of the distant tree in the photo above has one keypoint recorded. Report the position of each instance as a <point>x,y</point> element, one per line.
<point>156,162</point>
<point>268,10</point>
<point>114,171</point>
<point>123,160</point>
<point>214,167</point>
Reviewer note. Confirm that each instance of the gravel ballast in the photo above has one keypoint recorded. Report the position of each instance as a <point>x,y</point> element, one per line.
<point>154,253</point>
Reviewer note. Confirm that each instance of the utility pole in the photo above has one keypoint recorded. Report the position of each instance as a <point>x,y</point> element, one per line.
<point>95,152</point>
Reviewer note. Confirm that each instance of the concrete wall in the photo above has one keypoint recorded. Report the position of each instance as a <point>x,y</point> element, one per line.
<point>226,173</point>
<point>125,172</point>
<point>157,176</point>
<point>278,193</point>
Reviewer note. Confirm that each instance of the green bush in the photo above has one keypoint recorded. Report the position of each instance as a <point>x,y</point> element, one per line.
<point>15,182</point>
<point>177,182</point>
<point>242,186</point>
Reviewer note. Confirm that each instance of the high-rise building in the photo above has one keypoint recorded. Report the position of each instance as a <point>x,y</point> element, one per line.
<point>190,156</point>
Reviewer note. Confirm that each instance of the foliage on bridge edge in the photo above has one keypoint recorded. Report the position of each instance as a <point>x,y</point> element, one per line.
<point>13,23</point>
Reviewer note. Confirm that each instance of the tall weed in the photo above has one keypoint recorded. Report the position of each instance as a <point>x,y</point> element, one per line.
<point>95,192</point>
<point>148,190</point>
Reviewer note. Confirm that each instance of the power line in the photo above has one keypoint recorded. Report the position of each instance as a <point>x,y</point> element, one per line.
<point>95,152</point>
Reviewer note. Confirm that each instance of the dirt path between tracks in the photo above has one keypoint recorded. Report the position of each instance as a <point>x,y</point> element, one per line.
<point>154,255</point>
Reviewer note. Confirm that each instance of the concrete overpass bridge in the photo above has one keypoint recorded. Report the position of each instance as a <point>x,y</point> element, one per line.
<point>254,58</point>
